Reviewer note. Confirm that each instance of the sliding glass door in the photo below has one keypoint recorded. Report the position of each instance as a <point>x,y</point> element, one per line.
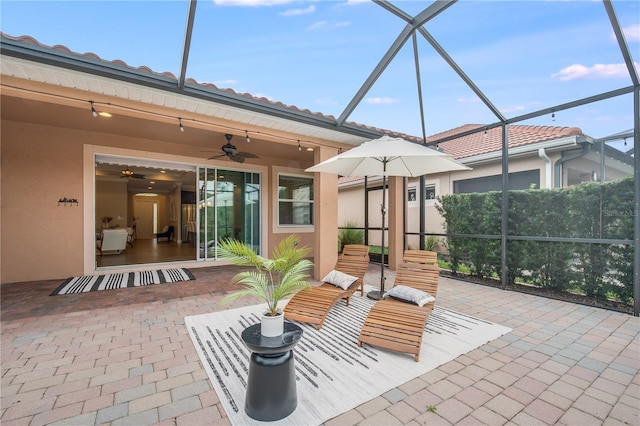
<point>228,207</point>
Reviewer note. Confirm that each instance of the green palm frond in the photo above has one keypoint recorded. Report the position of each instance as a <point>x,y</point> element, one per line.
<point>272,279</point>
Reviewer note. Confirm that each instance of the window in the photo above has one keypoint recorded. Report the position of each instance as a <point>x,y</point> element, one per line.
<point>430,194</point>
<point>295,200</point>
<point>517,180</point>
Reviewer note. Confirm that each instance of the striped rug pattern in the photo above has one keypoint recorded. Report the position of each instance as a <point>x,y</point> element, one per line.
<point>334,375</point>
<point>128,279</point>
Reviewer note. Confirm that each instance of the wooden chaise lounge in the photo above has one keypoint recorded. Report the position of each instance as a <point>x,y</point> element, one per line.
<point>312,305</point>
<point>399,325</point>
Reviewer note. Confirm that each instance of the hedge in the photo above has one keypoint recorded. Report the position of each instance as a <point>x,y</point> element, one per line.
<point>591,210</point>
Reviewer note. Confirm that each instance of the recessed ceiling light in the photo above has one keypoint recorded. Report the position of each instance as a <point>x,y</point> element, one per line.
<point>163,171</point>
<point>149,187</point>
<point>152,182</point>
<point>310,149</point>
<point>104,114</point>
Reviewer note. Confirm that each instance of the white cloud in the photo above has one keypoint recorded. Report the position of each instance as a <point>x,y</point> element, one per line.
<point>318,25</point>
<point>330,24</point>
<point>597,71</point>
<point>354,2</point>
<point>381,101</point>
<point>250,3</point>
<point>632,33</point>
<point>296,12</point>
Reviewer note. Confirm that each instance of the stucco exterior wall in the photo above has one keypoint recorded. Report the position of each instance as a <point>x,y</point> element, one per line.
<point>40,239</point>
<point>42,164</point>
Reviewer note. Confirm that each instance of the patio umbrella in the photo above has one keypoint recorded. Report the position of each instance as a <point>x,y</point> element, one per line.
<point>384,157</point>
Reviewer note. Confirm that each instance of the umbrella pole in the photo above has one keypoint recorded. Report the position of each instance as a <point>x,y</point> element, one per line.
<point>377,295</point>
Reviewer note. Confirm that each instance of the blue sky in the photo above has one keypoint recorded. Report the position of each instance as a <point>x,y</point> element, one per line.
<point>523,55</point>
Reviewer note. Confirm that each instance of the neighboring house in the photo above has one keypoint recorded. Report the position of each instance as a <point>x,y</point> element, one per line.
<point>539,157</point>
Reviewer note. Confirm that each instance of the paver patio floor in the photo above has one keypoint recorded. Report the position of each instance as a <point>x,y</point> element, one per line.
<point>124,357</point>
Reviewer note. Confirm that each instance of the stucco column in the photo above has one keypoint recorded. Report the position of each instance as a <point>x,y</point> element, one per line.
<point>394,213</point>
<point>325,189</point>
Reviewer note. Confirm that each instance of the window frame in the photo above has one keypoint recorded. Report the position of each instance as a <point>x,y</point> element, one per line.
<point>291,226</point>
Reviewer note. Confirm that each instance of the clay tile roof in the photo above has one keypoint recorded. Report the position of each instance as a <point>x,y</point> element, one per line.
<point>481,143</point>
<point>491,141</point>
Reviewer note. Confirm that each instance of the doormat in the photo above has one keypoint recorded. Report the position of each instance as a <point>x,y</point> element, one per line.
<point>333,374</point>
<point>128,279</point>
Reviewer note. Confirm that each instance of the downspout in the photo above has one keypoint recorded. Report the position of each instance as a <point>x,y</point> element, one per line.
<point>586,147</point>
<point>547,167</point>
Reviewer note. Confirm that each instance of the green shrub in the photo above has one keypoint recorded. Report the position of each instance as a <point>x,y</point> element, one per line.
<point>350,234</point>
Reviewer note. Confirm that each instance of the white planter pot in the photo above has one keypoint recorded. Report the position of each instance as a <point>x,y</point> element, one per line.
<point>272,326</point>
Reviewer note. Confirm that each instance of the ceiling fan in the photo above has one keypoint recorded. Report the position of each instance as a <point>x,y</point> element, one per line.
<point>232,152</point>
<point>127,173</point>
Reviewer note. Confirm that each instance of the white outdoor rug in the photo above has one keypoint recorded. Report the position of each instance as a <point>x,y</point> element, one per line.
<point>334,375</point>
<point>127,279</point>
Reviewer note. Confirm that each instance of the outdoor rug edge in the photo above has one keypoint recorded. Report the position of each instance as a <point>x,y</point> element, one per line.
<point>87,283</point>
<point>334,375</point>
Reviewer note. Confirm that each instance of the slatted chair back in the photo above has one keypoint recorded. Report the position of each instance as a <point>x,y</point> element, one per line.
<point>355,250</point>
<point>419,276</point>
<point>420,256</point>
<point>354,261</point>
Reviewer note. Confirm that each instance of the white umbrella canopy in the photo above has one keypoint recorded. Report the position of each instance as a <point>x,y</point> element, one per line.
<point>389,156</point>
<point>384,157</point>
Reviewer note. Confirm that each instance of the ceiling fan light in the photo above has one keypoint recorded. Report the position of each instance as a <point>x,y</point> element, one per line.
<point>127,172</point>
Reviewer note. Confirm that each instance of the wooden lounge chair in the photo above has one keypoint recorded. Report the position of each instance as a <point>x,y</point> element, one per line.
<point>398,325</point>
<point>312,305</point>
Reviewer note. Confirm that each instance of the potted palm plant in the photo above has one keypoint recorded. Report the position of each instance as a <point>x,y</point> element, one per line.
<point>272,279</point>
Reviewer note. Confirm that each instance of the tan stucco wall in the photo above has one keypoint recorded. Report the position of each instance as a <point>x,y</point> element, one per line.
<point>41,164</point>
<point>40,239</point>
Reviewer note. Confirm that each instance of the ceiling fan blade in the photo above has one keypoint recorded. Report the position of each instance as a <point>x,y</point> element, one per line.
<point>238,158</point>
<point>249,155</point>
<point>138,176</point>
<point>217,156</point>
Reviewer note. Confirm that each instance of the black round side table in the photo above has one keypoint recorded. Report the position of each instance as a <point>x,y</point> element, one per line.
<point>271,388</point>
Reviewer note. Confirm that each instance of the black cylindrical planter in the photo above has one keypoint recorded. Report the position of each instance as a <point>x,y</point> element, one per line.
<point>271,388</point>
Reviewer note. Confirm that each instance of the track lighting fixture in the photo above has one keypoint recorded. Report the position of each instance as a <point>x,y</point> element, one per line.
<point>625,141</point>
<point>180,124</point>
<point>246,136</point>
<point>96,113</point>
<point>553,116</point>
<point>299,146</point>
<point>485,130</point>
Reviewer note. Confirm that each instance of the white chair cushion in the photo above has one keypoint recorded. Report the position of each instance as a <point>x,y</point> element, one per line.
<point>410,295</point>
<point>340,279</point>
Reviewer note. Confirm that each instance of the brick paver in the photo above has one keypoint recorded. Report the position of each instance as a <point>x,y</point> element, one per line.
<point>125,357</point>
